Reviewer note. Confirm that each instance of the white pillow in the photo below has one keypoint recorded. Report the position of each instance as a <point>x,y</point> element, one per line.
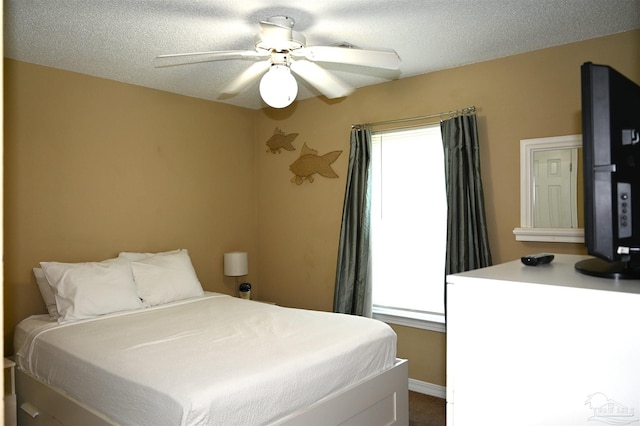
<point>133,256</point>
<point>89,289</point>
<point>47,293</point>
<point>165,278</point>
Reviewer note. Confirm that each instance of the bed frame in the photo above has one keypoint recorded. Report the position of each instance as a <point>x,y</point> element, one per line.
<point>379,400</point>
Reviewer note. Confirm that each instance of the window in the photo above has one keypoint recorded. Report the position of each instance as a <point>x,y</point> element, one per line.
<point>408,226</point>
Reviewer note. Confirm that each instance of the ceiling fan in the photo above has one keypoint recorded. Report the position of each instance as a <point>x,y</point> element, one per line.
<point>278,51</point>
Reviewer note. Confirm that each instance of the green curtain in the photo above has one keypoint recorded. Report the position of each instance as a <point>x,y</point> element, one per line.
<point>353,273</point>
<point>467,238</point>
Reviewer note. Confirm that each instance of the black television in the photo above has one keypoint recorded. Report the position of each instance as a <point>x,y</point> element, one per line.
<point>611,154</point>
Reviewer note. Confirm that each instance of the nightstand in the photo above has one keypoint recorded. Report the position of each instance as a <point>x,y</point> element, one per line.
<point>10,413</point>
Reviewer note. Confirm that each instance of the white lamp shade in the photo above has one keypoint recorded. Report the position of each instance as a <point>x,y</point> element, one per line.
<point>278,87</point>
<point>236,264</point>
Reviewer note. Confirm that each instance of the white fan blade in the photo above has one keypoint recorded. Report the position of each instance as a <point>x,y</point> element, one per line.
<point>344,55</point>
<point>199,57</point>
<point>321,79</point>
<point>245,79</point>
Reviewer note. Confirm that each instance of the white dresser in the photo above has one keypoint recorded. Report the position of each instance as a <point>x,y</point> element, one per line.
<point>542,345</point>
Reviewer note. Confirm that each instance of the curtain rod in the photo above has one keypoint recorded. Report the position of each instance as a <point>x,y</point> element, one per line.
<point>454,113</point>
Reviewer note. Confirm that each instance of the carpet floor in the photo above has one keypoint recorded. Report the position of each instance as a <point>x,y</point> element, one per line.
<point>426,410</point>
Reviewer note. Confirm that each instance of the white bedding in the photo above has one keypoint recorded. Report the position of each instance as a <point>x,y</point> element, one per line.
<point>209,360</point>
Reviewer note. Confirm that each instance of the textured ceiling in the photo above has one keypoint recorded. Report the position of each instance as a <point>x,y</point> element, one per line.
<point>119,39</point>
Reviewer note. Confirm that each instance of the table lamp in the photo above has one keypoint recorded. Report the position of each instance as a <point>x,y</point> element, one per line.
<point>236,264</point>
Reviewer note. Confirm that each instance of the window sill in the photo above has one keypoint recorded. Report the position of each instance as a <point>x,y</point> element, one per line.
<point>431,322</point>
<point>556,235</point>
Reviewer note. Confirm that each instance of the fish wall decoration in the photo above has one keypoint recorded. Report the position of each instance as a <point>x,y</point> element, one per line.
<point>280,140</point>
<point>310,163</point>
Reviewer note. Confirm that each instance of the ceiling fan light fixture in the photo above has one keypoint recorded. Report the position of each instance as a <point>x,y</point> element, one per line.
<point>278,87</point>
<point>281,51</point>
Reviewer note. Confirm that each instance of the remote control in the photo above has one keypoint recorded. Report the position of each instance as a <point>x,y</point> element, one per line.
<point>537,259</point>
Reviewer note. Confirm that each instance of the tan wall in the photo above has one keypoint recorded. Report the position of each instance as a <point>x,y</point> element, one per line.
<point>93,167</point>
<point>519,97</point>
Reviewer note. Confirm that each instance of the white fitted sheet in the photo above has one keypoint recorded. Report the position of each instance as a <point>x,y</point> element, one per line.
<point>210,360</point>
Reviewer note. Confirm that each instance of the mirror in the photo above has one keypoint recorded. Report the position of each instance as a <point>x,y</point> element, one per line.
<point>551,190</point>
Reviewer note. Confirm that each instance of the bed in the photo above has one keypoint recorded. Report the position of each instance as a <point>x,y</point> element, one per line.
<point>198,358</point>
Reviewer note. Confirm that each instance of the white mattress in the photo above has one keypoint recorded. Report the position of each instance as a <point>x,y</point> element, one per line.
<point>210,360</point>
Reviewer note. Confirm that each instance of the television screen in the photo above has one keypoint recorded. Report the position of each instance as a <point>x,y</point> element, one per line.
<point>611,152</point>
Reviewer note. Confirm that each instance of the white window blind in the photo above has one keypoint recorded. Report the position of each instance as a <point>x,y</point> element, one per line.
<point>408,220</point>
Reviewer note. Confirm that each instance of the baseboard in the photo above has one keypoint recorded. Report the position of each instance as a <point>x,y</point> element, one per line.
<point>427,388</point>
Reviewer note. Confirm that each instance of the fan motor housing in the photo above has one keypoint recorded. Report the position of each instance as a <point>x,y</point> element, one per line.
<point>283,39</point>
<point>297,41</point>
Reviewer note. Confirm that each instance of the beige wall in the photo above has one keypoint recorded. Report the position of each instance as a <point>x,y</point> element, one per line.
<point>93,167</point>
<point>524,96</point>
